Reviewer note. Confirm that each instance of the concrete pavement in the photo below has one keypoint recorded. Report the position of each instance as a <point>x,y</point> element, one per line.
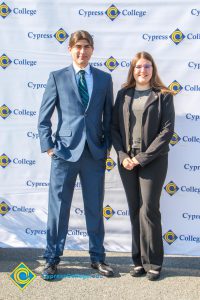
<point>180,279</point>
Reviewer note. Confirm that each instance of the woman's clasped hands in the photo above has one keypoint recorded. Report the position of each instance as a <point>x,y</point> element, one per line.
<point>130,163</point>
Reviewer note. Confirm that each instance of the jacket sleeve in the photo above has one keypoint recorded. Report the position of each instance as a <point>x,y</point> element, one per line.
<point>115,130</point>
<point>107,115</point>
<point>165,134</point>
<point>46,111</point>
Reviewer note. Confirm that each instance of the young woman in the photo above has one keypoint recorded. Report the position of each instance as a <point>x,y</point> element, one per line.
<point>142,127</point>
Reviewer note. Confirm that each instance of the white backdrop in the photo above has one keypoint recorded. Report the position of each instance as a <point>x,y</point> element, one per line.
<point>33,42</point>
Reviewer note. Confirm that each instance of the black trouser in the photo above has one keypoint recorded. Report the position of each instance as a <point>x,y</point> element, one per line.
<point>143,187</point>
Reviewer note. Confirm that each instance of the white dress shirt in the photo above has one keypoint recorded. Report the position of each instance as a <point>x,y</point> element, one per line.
<point>88,77</point>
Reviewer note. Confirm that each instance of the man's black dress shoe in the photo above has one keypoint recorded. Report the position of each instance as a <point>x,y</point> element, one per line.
<point>103,269</point>
<point>49,271</point>
<point>137,271</point>
<point>153,275</point>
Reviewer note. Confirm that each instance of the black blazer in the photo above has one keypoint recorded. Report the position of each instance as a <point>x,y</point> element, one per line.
<point>157,125</point>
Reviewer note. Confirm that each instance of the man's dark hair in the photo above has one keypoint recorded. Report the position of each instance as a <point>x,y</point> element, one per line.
<point>80,35</point>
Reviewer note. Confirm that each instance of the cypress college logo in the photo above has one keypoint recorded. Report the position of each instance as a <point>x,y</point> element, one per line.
<point>171,188</point>
<point>111,63</point>
<point>4,10</point>
<point>110,164</point>
<point>177,36</point>
<point>5,61</point>
<point>175,139</point>
<point>112,12</point>
<point>175,87</point>
<point>4,160</point>
<point>61,35</point>
<point>170,237</point>
<point>4,208</point>
<point>4,111</point>
<point>108,212</point>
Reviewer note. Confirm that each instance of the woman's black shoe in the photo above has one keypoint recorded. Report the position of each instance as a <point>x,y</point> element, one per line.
<point>153,275</point>
<point>137,271</point>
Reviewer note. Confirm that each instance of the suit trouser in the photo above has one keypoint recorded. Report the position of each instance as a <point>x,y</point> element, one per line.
<point>62,181</point>
<point>143,187</point>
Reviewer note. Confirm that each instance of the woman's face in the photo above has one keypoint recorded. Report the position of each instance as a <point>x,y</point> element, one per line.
<point>143,72</point>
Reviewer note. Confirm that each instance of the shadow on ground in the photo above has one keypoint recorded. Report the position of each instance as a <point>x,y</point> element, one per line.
<point>121,262</point>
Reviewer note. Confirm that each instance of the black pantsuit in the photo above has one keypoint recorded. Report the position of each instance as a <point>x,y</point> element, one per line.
<point>143,187</point>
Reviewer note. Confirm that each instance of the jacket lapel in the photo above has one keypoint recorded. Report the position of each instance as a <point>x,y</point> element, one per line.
<point>95,85</point>
<point>71,76</point>
<point>152,98</point>
<point>126,114</point>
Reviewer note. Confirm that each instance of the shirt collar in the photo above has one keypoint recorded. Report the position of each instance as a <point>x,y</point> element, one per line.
<point>86,69</point>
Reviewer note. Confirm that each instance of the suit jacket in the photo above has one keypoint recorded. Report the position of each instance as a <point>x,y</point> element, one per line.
<point>75,124</point>
<point>157,125</point>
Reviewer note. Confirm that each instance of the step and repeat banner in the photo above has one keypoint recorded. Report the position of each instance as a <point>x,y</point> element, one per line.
<point>33,42</point>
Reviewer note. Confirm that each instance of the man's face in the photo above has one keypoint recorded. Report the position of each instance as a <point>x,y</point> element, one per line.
<point>81,53</point>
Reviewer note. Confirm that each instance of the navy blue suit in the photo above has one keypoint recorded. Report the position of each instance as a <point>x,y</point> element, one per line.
<point>80,146</point>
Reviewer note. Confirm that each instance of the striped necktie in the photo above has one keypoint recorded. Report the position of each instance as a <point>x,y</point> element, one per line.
<point>82,87</point>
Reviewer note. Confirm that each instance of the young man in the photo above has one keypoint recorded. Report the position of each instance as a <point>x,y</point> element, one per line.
<point>83,97</point>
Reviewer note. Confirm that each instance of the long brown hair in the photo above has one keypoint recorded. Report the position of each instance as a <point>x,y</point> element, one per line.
<point>155,81</point>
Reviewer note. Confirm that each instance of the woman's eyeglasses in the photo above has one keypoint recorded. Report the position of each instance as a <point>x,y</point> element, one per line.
<point>146,66</point>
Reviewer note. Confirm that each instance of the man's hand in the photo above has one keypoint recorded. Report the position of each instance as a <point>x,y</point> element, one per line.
<point>50,152</point>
